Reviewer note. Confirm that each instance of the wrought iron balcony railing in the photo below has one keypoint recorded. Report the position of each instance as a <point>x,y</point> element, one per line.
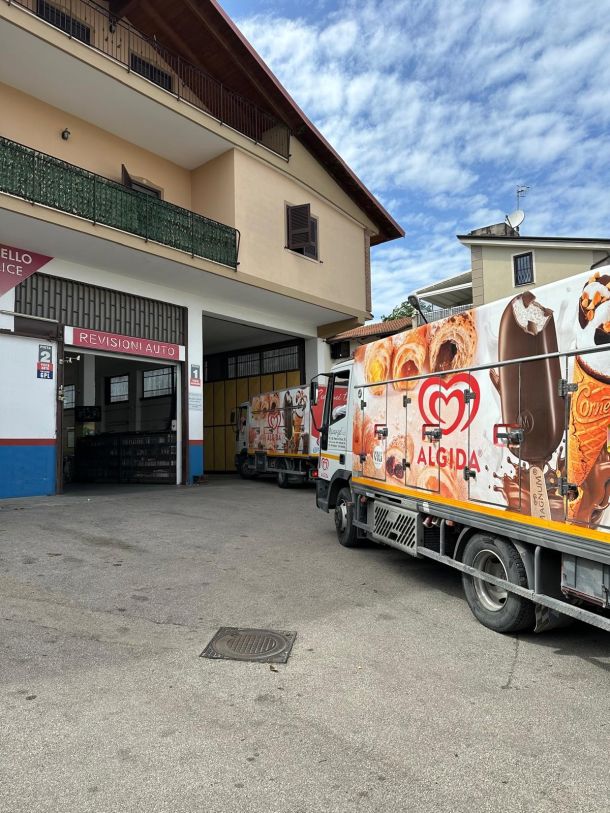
<point>95,27</point>
<point>42,179</point>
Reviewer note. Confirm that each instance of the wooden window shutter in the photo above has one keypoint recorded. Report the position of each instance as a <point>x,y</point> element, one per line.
<point>299,226</point>
<point>125,177</point>
<point>312,249</point>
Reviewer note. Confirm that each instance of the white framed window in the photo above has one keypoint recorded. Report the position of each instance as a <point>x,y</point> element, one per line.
<point>156,383</point>
<point>117,389</point>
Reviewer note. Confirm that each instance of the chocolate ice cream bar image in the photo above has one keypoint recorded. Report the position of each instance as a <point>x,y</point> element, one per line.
<point>529,390</point>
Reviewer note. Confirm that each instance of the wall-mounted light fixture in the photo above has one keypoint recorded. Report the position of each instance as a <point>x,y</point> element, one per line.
<point>65,134</point>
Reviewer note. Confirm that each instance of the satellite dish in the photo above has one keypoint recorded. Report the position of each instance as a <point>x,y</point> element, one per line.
<point>516,218</point>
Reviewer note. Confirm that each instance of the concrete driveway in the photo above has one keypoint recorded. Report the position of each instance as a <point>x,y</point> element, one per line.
<point>394,699</point>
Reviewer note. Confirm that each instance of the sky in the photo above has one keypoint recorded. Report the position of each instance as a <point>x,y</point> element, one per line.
<point>444,107</point>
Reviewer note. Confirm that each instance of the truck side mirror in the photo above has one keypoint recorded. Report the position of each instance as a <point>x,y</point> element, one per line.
<point>313,393</point>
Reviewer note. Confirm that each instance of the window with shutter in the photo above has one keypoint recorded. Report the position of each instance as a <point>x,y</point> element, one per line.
<point>302,231</point>
<point>138,185</point>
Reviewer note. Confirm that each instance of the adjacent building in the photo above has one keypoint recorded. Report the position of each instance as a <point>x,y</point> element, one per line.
<point>504,262</point>
<point>175,235</point>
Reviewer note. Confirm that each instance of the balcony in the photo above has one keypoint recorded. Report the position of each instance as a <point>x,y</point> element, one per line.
<point>93,26</point>
<point>42,179</point>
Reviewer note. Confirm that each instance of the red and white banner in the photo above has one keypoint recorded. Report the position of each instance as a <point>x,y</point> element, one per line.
<point>117,343</point>
<point>16,265</point>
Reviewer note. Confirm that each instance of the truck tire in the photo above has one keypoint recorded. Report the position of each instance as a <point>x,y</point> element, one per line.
<point>347,534</point>
<point>283,479</point>
<point>245,471</point>
<point>494,607</point>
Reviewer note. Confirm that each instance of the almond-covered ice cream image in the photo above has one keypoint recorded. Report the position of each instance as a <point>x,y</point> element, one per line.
<point>590,404</point>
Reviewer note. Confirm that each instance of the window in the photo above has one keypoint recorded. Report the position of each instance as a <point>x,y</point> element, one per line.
<point>156,383</point>
<point>340,350</point>
<point>138,185</point>
<point>63,21</point>
<point>151,72</point>
<point>69,396</point>
<point>281,359</point>
<point>117,389</point>
<point>523,268</point>
<point>302,231</point>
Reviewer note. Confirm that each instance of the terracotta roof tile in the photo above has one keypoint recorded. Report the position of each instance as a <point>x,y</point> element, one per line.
<point>375,329</point>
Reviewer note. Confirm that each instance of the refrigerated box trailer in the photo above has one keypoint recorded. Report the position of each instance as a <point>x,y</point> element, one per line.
<point>482,441</point>
<point>276,435</point>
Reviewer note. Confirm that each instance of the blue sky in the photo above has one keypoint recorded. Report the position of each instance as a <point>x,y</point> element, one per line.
<point>442,107</point>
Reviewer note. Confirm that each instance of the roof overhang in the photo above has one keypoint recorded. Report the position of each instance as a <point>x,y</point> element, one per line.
<point>574,243</point>
<point>203,33</point>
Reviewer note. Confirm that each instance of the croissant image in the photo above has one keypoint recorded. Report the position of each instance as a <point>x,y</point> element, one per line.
<point>409,358</point>
<point>378,364</point>
<point>453,343</point>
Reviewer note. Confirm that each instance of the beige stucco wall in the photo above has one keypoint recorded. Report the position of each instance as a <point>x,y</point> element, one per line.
<point>213,188</point>
<point>550,264</point>
<point>261,196</point>
<point>38,125</point>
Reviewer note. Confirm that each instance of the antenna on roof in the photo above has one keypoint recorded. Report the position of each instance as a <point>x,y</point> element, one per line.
<point>521,193</point>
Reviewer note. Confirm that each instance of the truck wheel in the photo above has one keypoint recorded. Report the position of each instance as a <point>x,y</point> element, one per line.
<point>245,471</point>
<point>344,515</point>
<point>494,607</point>
<point>283,480</point>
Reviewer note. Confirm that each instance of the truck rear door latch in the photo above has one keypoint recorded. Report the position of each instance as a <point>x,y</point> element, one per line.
<point>567,489</point>
<point>469,395</point>
<point>469,474</point>
<point>431,432</point>
<point>564,388</point>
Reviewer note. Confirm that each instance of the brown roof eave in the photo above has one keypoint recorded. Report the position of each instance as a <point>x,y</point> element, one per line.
<point>279,102</point>
<point>308,133</point>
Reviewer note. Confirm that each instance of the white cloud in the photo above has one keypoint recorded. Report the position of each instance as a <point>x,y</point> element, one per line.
<point>443,106</point>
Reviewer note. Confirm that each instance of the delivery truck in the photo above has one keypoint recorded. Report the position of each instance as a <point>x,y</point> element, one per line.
<point>274,436</point>
<point>482,441</point>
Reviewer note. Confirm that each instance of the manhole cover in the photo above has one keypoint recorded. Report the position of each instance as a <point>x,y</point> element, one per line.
<point>263,646</point>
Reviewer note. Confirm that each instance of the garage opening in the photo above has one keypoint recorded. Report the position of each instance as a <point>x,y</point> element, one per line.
<point>241,361</point>
<point>121,419</point>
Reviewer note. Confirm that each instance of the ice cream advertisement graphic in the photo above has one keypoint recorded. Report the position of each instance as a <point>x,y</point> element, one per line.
<point>511,406</point>
<point>279,423</point>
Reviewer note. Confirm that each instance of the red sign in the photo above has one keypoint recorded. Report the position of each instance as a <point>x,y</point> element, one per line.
<point>437,389</point>
<point>16,265</point>
<point>116,343</point>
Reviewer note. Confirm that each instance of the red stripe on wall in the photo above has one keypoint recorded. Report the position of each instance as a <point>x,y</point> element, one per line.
<point>27,441</point>
<point>196,442</point>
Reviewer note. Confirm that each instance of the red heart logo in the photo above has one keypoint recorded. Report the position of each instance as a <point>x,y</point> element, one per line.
<point>274,419</point>
<point>442,392</point>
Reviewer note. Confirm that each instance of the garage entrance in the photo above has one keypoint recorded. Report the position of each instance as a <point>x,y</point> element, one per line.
<point>241,361</point>
<point>121,419</point>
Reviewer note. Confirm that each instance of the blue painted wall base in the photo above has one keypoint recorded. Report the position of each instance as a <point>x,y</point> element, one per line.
<point>27,471</point>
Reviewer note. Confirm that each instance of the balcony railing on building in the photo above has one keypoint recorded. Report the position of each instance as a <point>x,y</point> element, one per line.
<point>441,313</point>
<point>96,27</point>
<point>42,179</point>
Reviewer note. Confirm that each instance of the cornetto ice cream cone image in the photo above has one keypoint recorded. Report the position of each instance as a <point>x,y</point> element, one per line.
<point>590,404</point>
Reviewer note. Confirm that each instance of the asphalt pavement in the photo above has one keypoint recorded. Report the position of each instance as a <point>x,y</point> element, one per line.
<point>394,697</point>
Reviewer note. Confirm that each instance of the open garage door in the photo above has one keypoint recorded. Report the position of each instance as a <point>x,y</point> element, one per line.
<point>246,361</point>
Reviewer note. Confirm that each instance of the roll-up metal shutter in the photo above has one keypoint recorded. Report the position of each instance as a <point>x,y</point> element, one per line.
<point>83,305</point>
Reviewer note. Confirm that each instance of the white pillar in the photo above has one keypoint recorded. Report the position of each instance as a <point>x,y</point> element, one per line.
<point>195,394</point>
<point>317,358</point>
<point>7,303</point>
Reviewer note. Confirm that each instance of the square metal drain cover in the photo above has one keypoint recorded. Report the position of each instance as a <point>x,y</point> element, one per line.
<point>239,644</point>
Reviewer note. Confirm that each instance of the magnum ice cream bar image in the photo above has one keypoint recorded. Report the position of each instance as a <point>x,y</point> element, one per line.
<point>590,404</point>
<point>528,390</point>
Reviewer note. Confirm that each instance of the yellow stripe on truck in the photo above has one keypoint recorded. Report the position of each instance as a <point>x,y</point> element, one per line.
<point>330,456</point>
<point>523,519</point>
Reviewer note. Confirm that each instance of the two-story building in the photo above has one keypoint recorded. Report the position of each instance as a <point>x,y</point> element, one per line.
<point>504,262</point>
<point>175,235</point>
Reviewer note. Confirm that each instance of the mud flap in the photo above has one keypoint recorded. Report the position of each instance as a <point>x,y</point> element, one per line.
<point>548,619</point>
